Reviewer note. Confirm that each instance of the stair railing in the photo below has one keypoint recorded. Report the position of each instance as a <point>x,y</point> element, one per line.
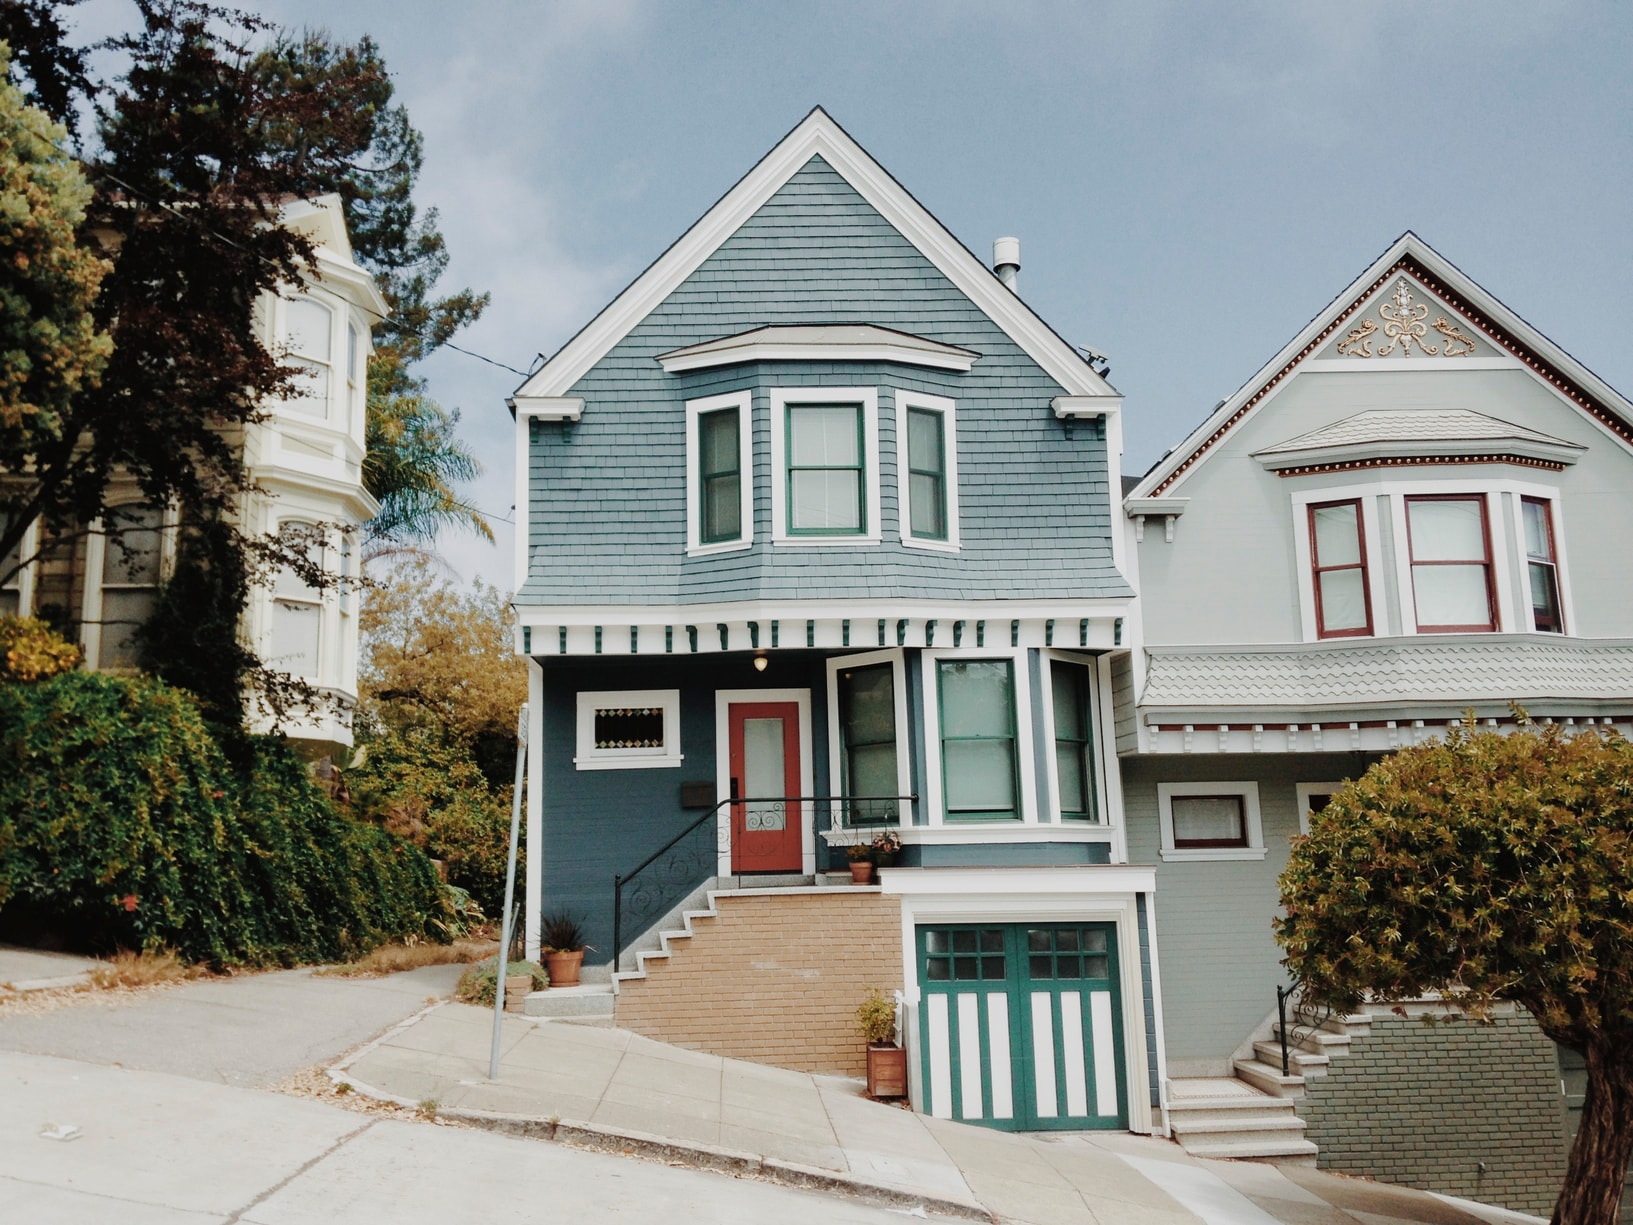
<point>676,868</point>
<point>1307,1019</point>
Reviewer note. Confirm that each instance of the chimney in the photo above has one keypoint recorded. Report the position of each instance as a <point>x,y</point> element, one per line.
<point>1006,262</point>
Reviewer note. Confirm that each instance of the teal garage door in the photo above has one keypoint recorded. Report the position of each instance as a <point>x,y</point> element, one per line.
<point>1019,1025</point>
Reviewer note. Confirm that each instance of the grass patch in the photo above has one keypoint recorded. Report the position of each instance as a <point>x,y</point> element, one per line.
<point>127,971</point>
<point>394,958</point>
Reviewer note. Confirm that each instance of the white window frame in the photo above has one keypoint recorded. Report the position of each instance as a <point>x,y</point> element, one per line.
<point>781,398</point>
<point>315,600</point>
<point>337,343</point>
<point>1024,753</point>
<point>1304,792</point>
<point>1516,527</point>
<point>897,659</point>
<point>1101,745</point>
<point>96,555</point>
<point>906,400</point>
<point>23,582</point>
<point>1513,615</point>
<point>1249,793</point>
<point>591,758</point>
<point>743,402</point>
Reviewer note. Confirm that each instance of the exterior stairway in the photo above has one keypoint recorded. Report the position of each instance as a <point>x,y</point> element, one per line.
<point>1253,1114</point>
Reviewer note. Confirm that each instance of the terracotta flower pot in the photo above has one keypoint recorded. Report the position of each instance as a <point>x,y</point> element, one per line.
<point>563,967</point>
<point>887,1071</point>
<point>861,872</point>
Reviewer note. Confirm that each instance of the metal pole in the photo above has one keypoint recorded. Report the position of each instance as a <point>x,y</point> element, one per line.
<point>617,920</point>
<point>1281,1015</point>
<point>507,921</point>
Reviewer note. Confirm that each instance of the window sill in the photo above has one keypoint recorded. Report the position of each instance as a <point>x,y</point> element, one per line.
<point>831,542</point>
<point>1239,853</point>
<point>1000,831</point>
<point>628,763</point>
<point>935,546</point>
<point>724,546</point>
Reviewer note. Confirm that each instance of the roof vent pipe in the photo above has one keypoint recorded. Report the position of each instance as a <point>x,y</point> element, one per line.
<point>1006,262</point>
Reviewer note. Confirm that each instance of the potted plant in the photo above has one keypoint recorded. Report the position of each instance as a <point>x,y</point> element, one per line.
<point>887,1062</point>
<point>562,938</point>
<point>860,857</point>
<point>885,844</point>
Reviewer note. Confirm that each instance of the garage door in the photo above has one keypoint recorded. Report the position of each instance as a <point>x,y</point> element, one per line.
<point>1019,1025</point>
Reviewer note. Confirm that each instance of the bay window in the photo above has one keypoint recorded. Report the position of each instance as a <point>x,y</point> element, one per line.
<point>1449,541</point>
<point>979,774</point>
<point>827,476</point>
<point>1338,565</point>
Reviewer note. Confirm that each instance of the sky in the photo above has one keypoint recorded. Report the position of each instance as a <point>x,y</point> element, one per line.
<point>1191,182</point>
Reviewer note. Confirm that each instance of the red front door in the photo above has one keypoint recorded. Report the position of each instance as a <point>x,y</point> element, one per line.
<point>765,766</point>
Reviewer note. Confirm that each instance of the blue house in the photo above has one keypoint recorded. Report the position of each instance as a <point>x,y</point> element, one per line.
<point>817,516</point>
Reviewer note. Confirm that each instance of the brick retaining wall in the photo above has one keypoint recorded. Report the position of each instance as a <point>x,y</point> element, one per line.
<point>1423,1105</point>
<point>776,978</point>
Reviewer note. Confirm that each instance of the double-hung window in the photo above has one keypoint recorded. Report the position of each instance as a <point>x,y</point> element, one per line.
<point>307,333</point>
<point>867,730</point>
<point>1542,568</point>
<point>11,576</point>
<point>824,475</point>
<point>719,467</point>
<point>131,542</point>
<point>1074,758</point>
<point>1450,548</point>
<point>1338,564</point>
<point>979,766</point>
<point>927,453</point>
<point>297,615</point>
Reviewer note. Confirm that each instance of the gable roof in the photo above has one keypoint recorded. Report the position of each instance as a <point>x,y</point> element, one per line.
<point>1386,433</point>
<point>818,135</point>
<point>1494,321</point>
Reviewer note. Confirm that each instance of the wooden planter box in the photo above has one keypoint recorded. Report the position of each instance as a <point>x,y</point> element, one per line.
<point>887,1071</point>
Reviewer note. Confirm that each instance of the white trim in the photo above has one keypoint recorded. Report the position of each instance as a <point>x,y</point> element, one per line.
<point>906,400</point>
<point>743,402</point>
<point>1348,365</point>
<point>522,544</point>
<point>1304,792</point>
<point>535,807</point>
<point>996,613</point>
<point>1078,408</point>
<point>1408,244</point>
<point>965,833</point>
<point>591,758</point>
<point>1249,793</point>
<point>1301,503</point>
<point>1112,769</point>
<point>774,351</point>
<point>817,135</point>
<point>1157,1024</point>
<point>935,804</point>
<point>868,399</point>
<point>1088,894</point>
<point>897,658</point>
<point>723,700</point>
<point>547,408</point>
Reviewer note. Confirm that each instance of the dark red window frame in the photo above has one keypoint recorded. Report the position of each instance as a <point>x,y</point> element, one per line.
<point>1556,623</point>
<point>1317,570</point>
<point>1485,537</point>
<point>1209,844</point>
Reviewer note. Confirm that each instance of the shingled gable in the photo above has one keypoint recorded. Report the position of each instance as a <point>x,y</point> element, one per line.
<point>1496,325</point>
<point>817,135</point>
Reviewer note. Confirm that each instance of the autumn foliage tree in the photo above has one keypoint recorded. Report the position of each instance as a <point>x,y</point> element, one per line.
<point>1488,867</point>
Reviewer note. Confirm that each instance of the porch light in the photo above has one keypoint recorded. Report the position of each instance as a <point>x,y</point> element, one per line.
<point>760,661</point>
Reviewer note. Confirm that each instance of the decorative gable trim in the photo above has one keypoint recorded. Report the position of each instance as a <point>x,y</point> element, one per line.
<point>822,343</point>
<point>818,135</point>
<point>1500,326</point>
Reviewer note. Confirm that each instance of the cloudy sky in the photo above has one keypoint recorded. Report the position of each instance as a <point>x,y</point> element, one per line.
<point>1190,182</point>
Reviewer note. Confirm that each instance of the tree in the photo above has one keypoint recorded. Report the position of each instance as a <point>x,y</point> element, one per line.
<point>372,161</point>
<point>440,687</point>
<point>1488,867</point>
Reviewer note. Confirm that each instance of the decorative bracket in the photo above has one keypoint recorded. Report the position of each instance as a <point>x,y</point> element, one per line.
<point>1138,509</point>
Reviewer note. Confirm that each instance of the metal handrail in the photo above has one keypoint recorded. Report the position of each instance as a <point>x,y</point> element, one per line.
<point>619,880</point>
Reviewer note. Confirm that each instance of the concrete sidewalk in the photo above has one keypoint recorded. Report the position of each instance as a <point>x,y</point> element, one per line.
<point>37,970</point>
<point>611,1089</point>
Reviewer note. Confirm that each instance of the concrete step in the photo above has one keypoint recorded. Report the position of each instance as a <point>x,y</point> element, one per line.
<point>1196,1114</point>
<point>1300,1061</point>
<point>1291,1152</point>
<point>1268,1079</point>
<point>584,1000</point>
<point>1281,1127</point>
<point>1321,1041</point>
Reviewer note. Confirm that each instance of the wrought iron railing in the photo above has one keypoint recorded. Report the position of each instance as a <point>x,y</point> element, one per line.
<point>1307,1018</point>
<point>652,888</point>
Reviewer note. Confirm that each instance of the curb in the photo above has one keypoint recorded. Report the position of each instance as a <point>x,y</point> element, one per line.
<point>594,1137</point>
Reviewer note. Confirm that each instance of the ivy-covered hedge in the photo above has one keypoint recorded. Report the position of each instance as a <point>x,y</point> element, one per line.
<point>122,824</point>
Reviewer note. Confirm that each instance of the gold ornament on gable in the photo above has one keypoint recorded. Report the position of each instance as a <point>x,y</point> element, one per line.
<point>1405,327</point>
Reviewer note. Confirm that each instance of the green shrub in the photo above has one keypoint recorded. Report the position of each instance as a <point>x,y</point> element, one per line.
<point>476,985</point>
<point>30,650</point>
<point>122,825</point>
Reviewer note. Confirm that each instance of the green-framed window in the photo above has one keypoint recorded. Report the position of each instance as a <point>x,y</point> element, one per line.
<point>720,475</point>
<point>927,473</point>
<point>979,776</point>
<point>827,477</point>
<point>867,730</point>
<point>1074,740</point>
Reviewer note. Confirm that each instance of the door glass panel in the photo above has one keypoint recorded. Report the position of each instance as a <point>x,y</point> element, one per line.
<point>935,942</point>
<point>937,970</point>
<point>763,773</point>
<point>1096,967</point>
<point>1042,968</point>
<point>963,942</point>
<point>966,969</point>
<point>992,940</point>
<point>1094,941</point>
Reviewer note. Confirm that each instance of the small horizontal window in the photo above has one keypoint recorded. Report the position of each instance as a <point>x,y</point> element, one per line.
<point>628,729</point>
<point>1210,821</point>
